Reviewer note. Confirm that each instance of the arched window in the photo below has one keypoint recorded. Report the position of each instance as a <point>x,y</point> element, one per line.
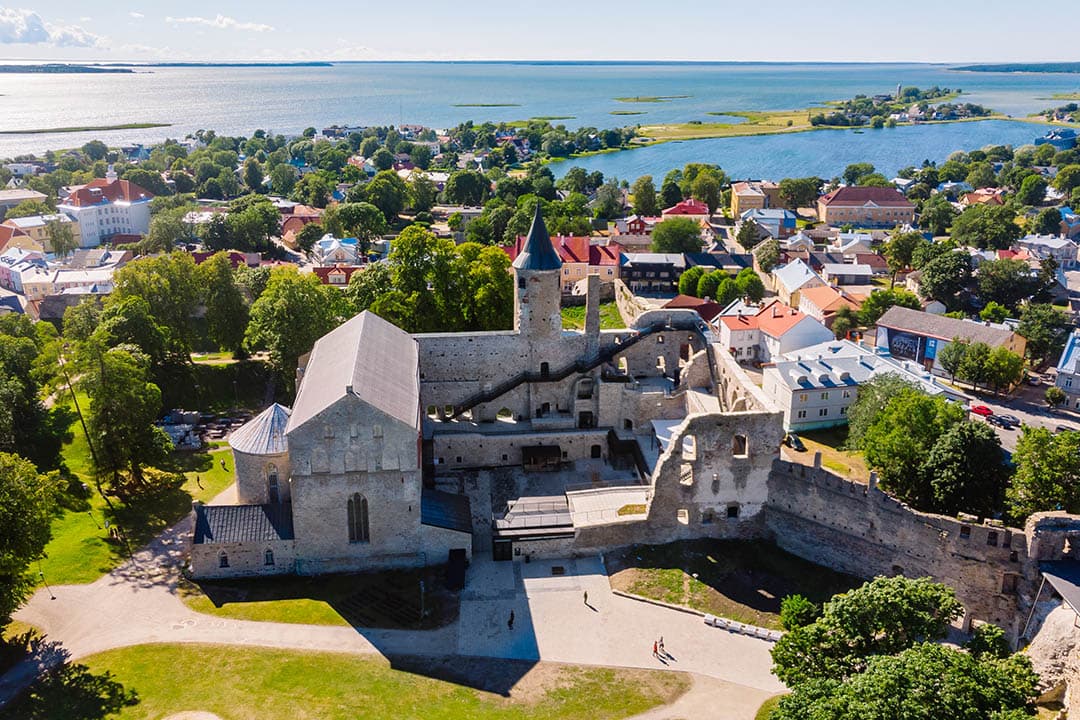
<point>272,483</point>
<point>358,519</point>
<point>268,557</point>
<point>223,559</point>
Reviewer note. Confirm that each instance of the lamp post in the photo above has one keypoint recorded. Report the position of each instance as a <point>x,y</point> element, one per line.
<point>41,574</point>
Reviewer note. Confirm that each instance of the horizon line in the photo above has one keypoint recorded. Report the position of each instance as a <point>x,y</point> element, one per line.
<point>593,61</point>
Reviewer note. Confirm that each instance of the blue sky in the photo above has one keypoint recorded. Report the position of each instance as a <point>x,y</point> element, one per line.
<point>781,30</point>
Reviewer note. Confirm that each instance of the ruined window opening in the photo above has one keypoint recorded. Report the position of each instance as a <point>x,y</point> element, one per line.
<point>686,474</point>
<point>689,447</point>
<point>659,339</point>
<point>683,516</point>
<point>432,412</point>
<point>733,511</point>
<point>506,413</point>
<point>595,452</point>
<point>457,459</point>
<point>223,559</point>
<point>585,389</point>
<point>1007,540</point>
<point>628,424</point>
<point>1009,582</point>
<point>965,532</point>
<point>715,483</point>
<point>545,369</point>
<point>268,557</point>
<point>521,283</point>
<point>707,516</point>
<point>992,538</point>
<point>448,410</point>
<point>358,519</point>
<point>272,483</point>
<point>504,456</point>
<point>897,570</point>
<point>740,446</point>
<point>376,431</point>
<point>1014,556</point>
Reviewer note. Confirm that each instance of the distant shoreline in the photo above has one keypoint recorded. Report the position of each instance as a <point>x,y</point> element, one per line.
<point>1033,68</point>
<point>87,128</point>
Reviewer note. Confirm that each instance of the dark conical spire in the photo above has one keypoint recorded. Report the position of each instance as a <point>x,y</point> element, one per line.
<point>538,253</point>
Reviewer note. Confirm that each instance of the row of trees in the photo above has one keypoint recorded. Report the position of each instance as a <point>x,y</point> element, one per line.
<point>721,287</point>
<point>979,364</point>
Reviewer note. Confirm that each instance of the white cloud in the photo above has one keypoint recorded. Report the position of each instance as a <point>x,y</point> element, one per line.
<point>221,22</point>
<point>136,15</point>
<point>20,26</point>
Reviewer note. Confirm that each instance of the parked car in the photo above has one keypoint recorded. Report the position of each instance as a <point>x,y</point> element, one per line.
<point>794,442</point>
<point>1034,380</point>
<point>996,420</point>
<point>1008,421</point>
<point>982,410</point>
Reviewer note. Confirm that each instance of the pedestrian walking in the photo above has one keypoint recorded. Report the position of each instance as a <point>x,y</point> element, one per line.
<point>223,464</point>
<point>586,597</point>
<point>198,481</point>
<point>662,651</point>
<point>655,652</point>
<point>510,622</point>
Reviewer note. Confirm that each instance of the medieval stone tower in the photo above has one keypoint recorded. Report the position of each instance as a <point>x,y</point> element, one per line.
<point>536,274</point>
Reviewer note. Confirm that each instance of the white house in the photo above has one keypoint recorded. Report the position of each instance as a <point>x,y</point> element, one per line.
<point>849,244</point>
<point>1068,374</point>
<point>847,274</point>
<point>108,207</point>
<point>815,385</point>
<point>791,278</point>
<point>1063,250</point>
<point>773,330</point>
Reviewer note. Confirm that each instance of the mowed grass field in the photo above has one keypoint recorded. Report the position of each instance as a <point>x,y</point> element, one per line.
<point>246,683</point>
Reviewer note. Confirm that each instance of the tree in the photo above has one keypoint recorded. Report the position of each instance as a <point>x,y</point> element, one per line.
<point>670,194</point>
<point>168,284</point>
<point>1004,368</point>
<point>291,314</point>
<point>1067,178</point>
<point>677,235</point>
<point>951,357</point>
<point>1006,281</point>
<point>1045,328</point>
<point>28,208</point>
<point>974,367</point>
<point>466,187</point>
<point>882,617</point>
<point>387,192</point>
<point>799,192</point>
<point>128,321</point>
<point>609,201</point>
<point>167,230</point>
<point>1055,396</point>
<point>1032,190</point>
<point>95,150</point>
<point>283,179</point>
<point>383,159</point>
<point>966,471</point>
<point>706,188</point>
<point>875,305</point>
<point>27,501</point>
<point>148,180</point>
<point>768,255</point>
<point>253,175</point>
<point>981,175</point>
<point>362,220</point>
<point>709,283</point>
<point>61,238</point>
<point>937,214</point>
<point>1047,472</point>
<point>313,189</point>
<point>986,226</point>
<point>688,281</point>
<point>643,197</point>
<point>250,225</point>
<point>310,234</point>
<point>900,250</point>
<point>748,234</point>
<point>422,192</point>
<point>945,277</point>
<point>797,611</point>
<point>368,285</point>
<point>844,321</point>
<point>994,312</point>
<point>857,171</point>
<point>226,312</point>
<point>421,156</point>
<point>750,285</point>
<point>123,407</point>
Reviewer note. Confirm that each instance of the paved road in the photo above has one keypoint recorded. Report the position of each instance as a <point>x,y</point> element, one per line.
<point>138,603</point>
<point>1028,404</point>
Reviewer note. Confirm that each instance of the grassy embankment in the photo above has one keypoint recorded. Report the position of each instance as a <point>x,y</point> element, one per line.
<point>251,683</point>
<point>650,98</point>
<point>86,128</point>
<point>741,580</point>
<point>573,318</point>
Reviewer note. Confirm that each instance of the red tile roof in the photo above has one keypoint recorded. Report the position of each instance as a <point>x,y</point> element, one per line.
<point>774,319</point>
<point>688,207</point>
<point>707,309</point>
<point>100,190</point>
<point>859,196</point>
<point>575,249</point>
<point>324,272</point>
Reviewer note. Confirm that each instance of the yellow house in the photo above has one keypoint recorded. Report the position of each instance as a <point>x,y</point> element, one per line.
<point>37,228</point>
<point>753,195</point>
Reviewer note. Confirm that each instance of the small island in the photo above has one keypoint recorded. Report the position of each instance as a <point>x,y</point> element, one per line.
<point>1055,67</point>
<point>650,98</point>
<point>60,68</point>
<point>86,128</point>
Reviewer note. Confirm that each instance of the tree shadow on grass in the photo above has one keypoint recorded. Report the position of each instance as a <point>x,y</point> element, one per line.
<point>71,692</point>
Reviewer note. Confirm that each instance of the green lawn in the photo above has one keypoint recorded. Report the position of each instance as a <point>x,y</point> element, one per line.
<point>573,318</point>
<point>830,443</point>
<point>741,580</point>
<point>767,707</point>
<point>80,551</point>
<point>388,599</point>
<point>262,684</point>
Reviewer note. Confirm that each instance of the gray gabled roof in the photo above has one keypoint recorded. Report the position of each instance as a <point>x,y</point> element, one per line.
<point>219,524</point>
<point>445,510</point>
<point>264,434</point>
<point>538,253</point>
<point>943,328</point>
<point>368,358</point>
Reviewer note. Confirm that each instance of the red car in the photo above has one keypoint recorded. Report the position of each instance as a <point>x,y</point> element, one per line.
<point>982,410</point>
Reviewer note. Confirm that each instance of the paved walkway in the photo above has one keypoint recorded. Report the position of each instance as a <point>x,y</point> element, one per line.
<point>137,603</point>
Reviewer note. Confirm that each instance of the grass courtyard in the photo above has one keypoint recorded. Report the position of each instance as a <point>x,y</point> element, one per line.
<point>830,443</point>
<point>573,318</point>
<point>741,580</point>
<point>262,684</point>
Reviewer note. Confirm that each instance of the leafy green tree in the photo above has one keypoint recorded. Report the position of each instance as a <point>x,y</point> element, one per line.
<point>283,179</point>
<point>768,255</point>
<point>799,192</point>
<point>857,171</point>
<point>313,189</point>
<point>1055,396</point>
<point>167,230</point>
<point>748,234</point>
<point>95,150</point>
<point>28,208</point>
<point>986,226</point>
<point>61,238</point>
<point>168,284</point>
<point>368,285</point>
<point>677,235</point>
<point>128,321</point>
<point>709,283</point>
<point>290,315</point>
<point>310,234</point>
<point>1047,222</point>
<point>422,193</point>
<point>643,197</point>
<point>844,321</point>
<point>389,193</point>
<point>1032,190</point>
<point>706,188</point>
<point>368,147</point>
<point>1045,328</point>
<point>147,180</point>
<point>797,611</point>
<point>362,220</point>
<point>882,617</point>
<point>1006,282</point>
<point>900,250</point>
<point>467,187</point>
<point>994,312</point>
<point>750,285</point>
<point>981,175</point>
<point>1047,472</point>
<point>226,311</point>
<point>81,320</point>
<point>253,175</point>
<point>27,502</point>
<point>974,368</point>
<point>670,194</point>
<point>937,214</point>
<point>945,277</point>
<point>951,357</point>
<point>1067,178</point>
<point>383,159</point>
<point>688,281</point>
<point>1004,368</point>
<point>966,471</point>
<point>875,305</point>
